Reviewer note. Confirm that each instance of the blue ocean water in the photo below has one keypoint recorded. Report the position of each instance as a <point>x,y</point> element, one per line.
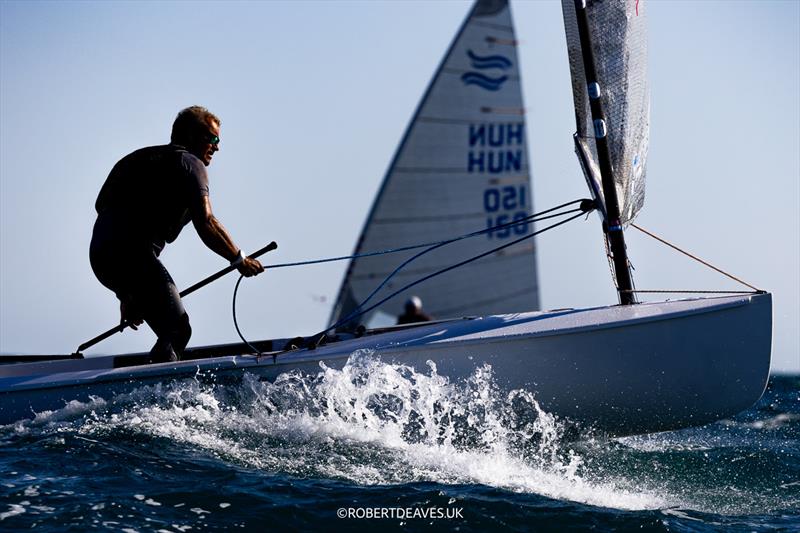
<point>380,445</point>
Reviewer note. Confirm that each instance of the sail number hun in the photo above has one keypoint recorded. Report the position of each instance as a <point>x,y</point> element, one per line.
<point>498,148</point>
<point>504,205</point>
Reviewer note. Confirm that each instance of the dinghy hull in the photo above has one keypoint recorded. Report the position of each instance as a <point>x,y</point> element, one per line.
<point>623,370</point>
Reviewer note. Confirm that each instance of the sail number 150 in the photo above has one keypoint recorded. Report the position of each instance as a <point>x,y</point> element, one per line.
<point>505,205</point>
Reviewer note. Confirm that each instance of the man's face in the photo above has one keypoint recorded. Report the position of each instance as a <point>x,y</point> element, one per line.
<point>206,143</point>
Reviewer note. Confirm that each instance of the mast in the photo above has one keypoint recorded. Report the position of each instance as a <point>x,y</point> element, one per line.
<point>612,223</point>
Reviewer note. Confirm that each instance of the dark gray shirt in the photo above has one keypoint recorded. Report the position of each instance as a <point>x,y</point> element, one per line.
<point>149,196</point>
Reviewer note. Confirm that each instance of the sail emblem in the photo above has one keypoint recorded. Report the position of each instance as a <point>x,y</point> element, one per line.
<point>483,63</point>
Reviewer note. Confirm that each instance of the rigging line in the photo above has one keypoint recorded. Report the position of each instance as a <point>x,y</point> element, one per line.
<point>585,207</point>
<point>236,323</point>
<point>523,250</point>
<point>709,265</point>
<point>447,269</point>
<point>668,291</point>
<point>536,217</point>
<point>527,220</point>
<point>436,246</point>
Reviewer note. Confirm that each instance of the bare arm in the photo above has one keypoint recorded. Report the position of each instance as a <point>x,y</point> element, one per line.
<point>216,237</point>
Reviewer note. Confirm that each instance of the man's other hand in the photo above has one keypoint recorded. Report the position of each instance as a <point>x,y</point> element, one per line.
<point>128,313</point>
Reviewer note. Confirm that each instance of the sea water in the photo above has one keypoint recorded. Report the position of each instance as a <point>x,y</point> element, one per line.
<point>377,445</point>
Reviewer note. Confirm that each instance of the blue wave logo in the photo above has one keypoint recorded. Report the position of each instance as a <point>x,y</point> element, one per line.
<point>485,82</point>
<point>482,63</point>
<point>479,62</point>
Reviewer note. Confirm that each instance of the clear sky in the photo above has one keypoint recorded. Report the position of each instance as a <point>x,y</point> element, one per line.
<point>314,97</point>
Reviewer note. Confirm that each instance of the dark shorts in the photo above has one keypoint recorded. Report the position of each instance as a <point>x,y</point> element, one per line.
<point>140,280</point>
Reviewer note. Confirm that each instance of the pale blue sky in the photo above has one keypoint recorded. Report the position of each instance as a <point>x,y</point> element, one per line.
<point>314,97</point>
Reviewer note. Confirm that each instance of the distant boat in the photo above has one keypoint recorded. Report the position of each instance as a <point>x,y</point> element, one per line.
<point>462,165</point>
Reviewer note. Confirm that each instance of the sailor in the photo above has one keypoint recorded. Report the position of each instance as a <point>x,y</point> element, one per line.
<point>145,202</point>
<point>413,312</point>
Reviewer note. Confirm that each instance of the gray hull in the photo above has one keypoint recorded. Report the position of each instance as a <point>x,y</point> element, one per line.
<point>623,370</point>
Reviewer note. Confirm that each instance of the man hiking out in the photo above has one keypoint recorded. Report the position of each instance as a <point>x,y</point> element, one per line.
<point>145,202</point>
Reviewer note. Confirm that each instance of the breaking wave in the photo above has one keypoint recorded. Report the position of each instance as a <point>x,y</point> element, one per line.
<point>370,423</point>
<point>375,424</point>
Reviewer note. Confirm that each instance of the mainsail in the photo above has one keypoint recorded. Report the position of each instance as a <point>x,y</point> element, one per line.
<point>462,166</point>
<point>618,32</point>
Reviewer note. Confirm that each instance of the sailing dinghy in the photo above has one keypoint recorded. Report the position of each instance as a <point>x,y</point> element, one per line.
<point>462,166</point>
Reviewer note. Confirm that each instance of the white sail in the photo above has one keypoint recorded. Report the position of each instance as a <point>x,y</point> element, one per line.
<point>462,166</point>
<point>618,32</point>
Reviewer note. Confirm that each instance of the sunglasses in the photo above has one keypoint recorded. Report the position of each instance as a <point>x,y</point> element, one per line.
<point>212,139</point>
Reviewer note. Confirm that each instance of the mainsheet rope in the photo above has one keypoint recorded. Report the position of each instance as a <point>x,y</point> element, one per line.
<point>586,206</point>
<point>536,217</point>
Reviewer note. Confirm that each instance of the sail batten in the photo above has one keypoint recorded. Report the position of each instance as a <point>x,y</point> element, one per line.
<point>462,166</point>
